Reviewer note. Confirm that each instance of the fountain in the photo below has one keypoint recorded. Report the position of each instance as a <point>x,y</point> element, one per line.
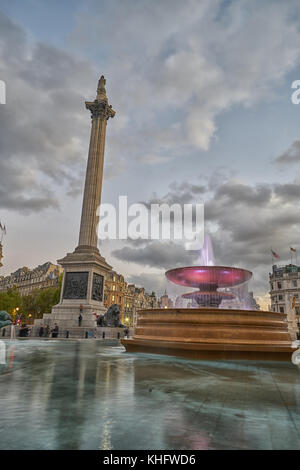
<point>208,279</point>
<point>208,331</point>
<point>12,332</point>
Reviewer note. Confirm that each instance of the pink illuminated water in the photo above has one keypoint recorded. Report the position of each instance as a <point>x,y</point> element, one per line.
<point>206,257</point>
<point>208,279</point>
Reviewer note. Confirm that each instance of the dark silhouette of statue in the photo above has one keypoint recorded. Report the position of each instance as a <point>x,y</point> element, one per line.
<point>111,318</point>
<point>5,319</point>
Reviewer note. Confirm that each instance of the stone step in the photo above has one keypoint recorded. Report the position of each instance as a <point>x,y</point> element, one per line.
<point>73,332</point>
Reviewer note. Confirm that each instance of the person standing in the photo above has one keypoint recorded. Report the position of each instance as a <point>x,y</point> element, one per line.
<point>79,319</point>
<point>55,331</point>
<point>41,331</point>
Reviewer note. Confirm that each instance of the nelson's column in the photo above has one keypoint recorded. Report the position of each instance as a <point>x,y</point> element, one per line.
<point>85,268</point>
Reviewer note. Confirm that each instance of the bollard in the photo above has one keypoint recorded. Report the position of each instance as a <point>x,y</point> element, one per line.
<point>86,334</point>
<point>103,335</point>
<point>67,334</point>
<point>3,332</point>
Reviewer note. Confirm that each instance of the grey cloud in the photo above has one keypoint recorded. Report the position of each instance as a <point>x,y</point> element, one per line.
<point>292,155</point>
<point>288,192</point>
<point>244,220</point>
<point>155,254</point>
<point>244,194</point>
<point>152,282</point>
<point>44,127</point>
<point>192,60</point>
<point>179,193</point>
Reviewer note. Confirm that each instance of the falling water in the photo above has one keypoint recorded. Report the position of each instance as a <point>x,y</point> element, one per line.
<point>12,332</point>
<point>2,353</point>
<point>206,257</point>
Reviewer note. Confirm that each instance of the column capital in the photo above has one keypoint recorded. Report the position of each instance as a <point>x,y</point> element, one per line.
<point>100,109</point>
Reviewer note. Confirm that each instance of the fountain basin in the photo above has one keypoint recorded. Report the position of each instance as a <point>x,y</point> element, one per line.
<point>212,333</point>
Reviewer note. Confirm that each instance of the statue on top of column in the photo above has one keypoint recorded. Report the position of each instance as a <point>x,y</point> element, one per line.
<point>101,86</point>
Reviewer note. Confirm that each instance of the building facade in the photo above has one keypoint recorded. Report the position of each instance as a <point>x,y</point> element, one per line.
<point>114,291</point>
<point>166,302</point>
<point>285,294</point>
<point>128,297</point>
<point>26,280</point>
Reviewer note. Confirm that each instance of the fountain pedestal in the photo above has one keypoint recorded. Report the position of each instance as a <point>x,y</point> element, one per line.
<point>212,333</point>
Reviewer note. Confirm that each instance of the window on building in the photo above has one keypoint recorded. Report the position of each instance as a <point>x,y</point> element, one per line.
<point>297,310</point>
<point>281,309</point>
<point>279,285</point>
<point>280,297</point>
<point>113,287</point>
<point>113,298</point>
<point>295,283</point>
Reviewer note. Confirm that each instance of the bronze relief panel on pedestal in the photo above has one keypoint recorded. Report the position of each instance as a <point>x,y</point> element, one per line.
<point>97,290</point>
<point>75,286</point>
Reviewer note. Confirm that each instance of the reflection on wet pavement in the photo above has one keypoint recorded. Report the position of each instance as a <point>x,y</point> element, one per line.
<point>90,395</point>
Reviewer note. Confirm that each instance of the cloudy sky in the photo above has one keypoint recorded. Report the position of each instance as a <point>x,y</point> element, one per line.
<point>202,92</point>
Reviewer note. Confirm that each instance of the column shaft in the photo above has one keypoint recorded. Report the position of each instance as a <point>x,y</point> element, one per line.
<point>93,185</point>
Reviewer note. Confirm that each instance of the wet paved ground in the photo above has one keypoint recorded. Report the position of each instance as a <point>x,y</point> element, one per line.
<point>86,395</point>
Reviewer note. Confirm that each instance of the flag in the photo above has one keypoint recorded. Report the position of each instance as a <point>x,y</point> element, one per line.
<point>294,301</point>
<point>293,249</point>
<point>275,255</point>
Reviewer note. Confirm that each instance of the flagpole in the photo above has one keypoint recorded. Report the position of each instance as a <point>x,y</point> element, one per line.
<point>272,257</point>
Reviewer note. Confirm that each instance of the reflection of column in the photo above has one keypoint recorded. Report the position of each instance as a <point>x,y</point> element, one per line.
<point>48,379</point>
<point>81,380</point>
<point>101,111</point>
<point>105,443</point>
<point>69,414</point>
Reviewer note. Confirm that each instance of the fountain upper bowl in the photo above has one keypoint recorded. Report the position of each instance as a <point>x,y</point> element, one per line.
<point>219,276</point>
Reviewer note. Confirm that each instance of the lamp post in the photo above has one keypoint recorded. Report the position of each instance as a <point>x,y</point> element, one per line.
<point>298,332</point>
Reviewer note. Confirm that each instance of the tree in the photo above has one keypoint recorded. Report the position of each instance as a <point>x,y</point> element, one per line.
<point>38,302</point>
<point>10,301</point>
